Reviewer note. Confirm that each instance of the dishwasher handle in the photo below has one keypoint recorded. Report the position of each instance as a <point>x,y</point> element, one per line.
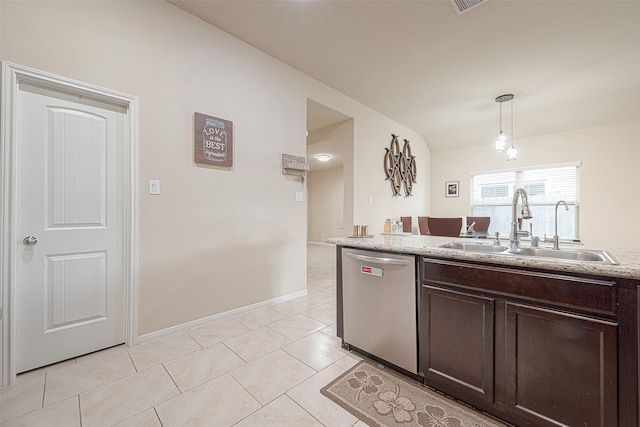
<point>379,260</point>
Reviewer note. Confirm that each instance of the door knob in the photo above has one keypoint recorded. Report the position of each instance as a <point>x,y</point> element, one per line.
<point>30,240</point>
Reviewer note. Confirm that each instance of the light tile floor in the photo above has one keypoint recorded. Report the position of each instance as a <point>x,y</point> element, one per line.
<point>261,368</point>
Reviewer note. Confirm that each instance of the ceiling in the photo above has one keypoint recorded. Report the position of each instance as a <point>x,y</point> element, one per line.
<point>570,64</point>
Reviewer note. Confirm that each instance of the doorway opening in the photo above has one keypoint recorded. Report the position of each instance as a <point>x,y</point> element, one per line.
<point>329,183</point>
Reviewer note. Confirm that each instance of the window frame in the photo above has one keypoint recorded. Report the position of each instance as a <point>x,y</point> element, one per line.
<point>546,208</point>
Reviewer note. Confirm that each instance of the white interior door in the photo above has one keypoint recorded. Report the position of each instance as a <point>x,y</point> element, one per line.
<point>70,280</point>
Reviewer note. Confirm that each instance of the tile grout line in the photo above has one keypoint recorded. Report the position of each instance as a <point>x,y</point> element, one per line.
<point>321,293</point>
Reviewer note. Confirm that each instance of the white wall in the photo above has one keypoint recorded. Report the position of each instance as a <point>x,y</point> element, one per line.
<point>609,177</point>
<point>326,203</point>
<point>199,236</point>
<point>364,175</point>
<point>370,180</point>
<point>365,179</point>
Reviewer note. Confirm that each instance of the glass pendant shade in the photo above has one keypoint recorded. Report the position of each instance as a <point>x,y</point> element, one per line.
<point>501,141</point>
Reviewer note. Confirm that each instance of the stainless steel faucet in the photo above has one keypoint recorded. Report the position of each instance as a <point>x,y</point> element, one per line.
<point>556,239</point>
<point>514,237</point>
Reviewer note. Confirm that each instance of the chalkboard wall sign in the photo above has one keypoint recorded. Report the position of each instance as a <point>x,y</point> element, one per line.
<point>213,141</point>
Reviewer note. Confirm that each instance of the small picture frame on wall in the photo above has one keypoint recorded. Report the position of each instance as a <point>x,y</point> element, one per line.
<point>452,188</point>
<point>213,141</point>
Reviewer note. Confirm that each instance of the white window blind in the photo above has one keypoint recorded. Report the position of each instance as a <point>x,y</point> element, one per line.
<point>492,195</point>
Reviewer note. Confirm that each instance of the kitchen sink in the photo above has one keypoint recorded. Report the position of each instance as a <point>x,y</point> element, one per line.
<point>565,254</point>
<point>474,247</point>
<point>578,255</point>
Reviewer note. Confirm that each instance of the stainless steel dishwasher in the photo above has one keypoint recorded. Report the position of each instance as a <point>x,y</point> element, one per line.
<point>379,305</point>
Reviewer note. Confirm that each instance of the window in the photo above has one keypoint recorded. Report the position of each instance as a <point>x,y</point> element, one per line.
<point>493,191</point>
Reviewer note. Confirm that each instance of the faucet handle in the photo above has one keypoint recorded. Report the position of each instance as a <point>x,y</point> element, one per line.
<point>470,229</point>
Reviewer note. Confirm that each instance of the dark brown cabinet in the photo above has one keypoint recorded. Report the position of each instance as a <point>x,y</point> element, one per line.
<point>560,368</point>
<point>457,358</point>
<point>533,348</point>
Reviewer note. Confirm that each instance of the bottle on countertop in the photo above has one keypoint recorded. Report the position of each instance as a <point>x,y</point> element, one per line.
<point>400,227</point>
<point>394,227</point>
<point>387,225</point>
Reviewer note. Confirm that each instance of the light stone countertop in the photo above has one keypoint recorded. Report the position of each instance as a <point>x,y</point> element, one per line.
<point>628,259</point>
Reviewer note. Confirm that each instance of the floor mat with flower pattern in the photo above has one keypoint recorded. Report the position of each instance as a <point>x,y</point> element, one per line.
<point>382,399</point>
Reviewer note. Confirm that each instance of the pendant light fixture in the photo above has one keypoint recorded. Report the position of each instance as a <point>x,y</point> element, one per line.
<point>502,138</point>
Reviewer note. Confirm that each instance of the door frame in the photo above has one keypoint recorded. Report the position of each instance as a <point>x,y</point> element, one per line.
<point>12,76</point>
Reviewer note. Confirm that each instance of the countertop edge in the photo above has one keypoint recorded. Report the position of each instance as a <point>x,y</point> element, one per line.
<point>628,266</point>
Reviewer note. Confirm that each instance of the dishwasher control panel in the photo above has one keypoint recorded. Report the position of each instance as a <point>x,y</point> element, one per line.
<point>371,271</point>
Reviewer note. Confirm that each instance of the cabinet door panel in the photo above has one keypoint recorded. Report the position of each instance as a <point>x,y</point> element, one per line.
<point>456,342</point>
<point>560,368</point>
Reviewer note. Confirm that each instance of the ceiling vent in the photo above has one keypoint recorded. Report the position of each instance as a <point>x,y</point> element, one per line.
<point>464,5</point>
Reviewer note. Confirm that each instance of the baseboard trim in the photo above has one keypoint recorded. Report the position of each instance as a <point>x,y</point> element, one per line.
<point>189,325</point>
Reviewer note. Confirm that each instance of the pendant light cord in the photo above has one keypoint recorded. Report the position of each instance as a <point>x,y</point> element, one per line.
<point>511,122</point>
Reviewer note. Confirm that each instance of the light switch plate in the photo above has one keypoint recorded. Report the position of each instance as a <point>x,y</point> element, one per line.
<point>299,196</point>
<point>154,186</point>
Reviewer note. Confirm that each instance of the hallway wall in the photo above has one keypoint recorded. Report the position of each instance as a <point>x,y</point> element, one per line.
<point>216,239</point>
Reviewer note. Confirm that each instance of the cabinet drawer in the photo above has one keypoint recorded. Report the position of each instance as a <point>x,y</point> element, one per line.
<point>560,290</point>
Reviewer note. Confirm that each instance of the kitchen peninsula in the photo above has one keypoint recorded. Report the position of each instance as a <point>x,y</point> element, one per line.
<point>535,341</point>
